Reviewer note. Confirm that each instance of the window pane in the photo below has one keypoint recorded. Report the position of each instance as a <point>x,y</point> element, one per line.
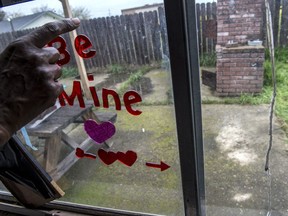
<point>128,123</point>
<point>236,95</point>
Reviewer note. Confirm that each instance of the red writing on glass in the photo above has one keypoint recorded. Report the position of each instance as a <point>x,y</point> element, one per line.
<point>130,98</point>
<point>81,154</point>
<point>65,55</point>
<point>82,45</point>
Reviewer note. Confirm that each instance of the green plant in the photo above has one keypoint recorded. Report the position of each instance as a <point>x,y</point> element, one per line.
<point>267,73</point>
<point>280,54</point>
<point>69,72</point>
<point>208,59</point>
<point>134,78</point>
<point>117,69</point>
<point>281,68</point>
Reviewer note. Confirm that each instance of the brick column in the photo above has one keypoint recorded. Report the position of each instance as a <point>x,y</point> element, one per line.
<point>239,20</point>
<point>239,69</point>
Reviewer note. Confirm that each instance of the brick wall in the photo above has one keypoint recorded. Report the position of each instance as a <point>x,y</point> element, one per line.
<point>239,70</point>
<point>239,20</point>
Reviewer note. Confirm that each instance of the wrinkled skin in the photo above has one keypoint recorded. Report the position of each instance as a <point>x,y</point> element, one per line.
<point>28,77</point>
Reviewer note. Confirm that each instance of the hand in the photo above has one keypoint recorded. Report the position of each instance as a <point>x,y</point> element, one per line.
<point>28,77</point>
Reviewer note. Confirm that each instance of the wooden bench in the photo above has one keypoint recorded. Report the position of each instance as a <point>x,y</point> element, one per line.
<point>51,129</point>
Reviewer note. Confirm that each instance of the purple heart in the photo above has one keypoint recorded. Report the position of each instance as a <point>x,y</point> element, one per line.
<point>99,132</point>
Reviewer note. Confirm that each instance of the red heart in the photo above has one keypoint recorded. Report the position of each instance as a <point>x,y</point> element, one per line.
<point>79,153</point>
<point>107,157</point>
<point>127,158</point>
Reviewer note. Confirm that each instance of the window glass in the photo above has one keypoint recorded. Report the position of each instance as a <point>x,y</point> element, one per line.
<point>236,92</point>
<point>115,145</point>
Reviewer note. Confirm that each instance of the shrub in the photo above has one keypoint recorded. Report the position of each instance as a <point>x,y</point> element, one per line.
<point>208,60</point>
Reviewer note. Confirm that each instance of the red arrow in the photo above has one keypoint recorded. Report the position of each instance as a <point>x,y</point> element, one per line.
<point>163,166</point>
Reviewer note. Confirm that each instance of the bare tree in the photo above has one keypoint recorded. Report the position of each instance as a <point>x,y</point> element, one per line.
<point>13,15</point>
<point>2,15</point>
<point>81,12</point>
<point>43,8</point>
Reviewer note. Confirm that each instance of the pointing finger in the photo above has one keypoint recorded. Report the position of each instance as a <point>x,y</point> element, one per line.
<point>43,35</point>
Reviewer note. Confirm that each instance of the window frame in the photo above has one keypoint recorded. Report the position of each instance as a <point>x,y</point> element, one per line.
<point>185,72</point>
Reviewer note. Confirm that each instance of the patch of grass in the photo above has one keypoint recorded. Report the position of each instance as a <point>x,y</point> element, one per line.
<point>281,54</point>
<point>245,99</point>
<point>117,69</point>
<point>208,60</point>
<point>69,72</point>
<point>134,78</point>
<point>152,136</point>
<point>282,95</point>
<point>281,57</point>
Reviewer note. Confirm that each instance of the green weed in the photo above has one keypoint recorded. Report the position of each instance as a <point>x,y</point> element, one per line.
<point>69,72</point>
<point>134,78</point>
<point>208,60</point>
<point>281,68</point>
<point>117,69</point>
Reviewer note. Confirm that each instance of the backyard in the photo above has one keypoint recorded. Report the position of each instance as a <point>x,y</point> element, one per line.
<point>132,55</point>
<point>152,135</point>
<point>235,144</point>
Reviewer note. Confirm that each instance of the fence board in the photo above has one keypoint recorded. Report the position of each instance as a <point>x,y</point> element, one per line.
<point>209,17</point>
<point>156,37</point>
<point>276,16</point>
<point>119,39</point>
<point>284,24</point>
<point>203,19</point>
<point>199,26</point>
<point>214,17</point>
<point>148,26</point>
<point>140,45</point>
<point>105,42</point>
<point>163,31</point>
<point>144,40</point>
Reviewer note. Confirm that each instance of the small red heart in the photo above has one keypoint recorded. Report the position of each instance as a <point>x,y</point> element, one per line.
<point>107,157</point>
<point>127,158</point>
<point>79,153</point>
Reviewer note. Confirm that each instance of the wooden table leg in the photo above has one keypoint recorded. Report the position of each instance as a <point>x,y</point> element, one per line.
<point>52,152</point>
<point>90,115</point>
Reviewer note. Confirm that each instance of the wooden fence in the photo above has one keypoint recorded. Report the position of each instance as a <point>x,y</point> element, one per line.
<point>130,39</point>
<point>279,10</point>
<point>207,27</point>
<point>133,39</point>
<point>142,38</point>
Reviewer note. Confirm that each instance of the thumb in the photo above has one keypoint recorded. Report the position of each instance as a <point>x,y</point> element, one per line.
<point>43,35</point>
